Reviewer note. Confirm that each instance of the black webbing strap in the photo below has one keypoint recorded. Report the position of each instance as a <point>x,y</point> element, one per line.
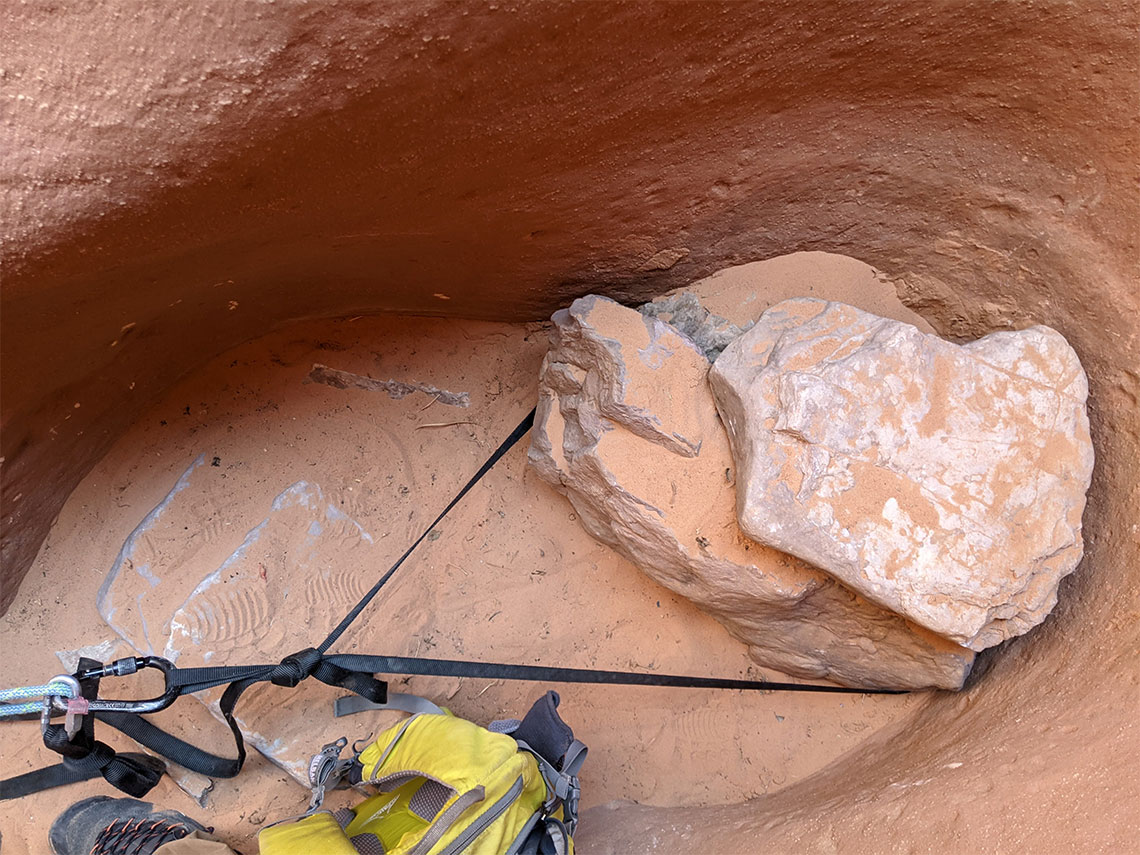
<point>361,667</point>
<point>507,444</point>
<point>352,672</point>
<point>171,747</point>
<point>74,772</point>
<point>419,666</point>
<point>291,670</point>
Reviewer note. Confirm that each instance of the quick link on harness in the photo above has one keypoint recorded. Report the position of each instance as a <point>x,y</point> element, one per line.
<point>84,757</point>
<point>352,672</point>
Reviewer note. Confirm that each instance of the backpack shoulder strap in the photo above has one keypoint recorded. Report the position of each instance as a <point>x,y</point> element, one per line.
<point>414,704</point>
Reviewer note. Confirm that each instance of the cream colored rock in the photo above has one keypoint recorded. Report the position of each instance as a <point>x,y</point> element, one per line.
<point>627,429</point>
<point>944,482</point>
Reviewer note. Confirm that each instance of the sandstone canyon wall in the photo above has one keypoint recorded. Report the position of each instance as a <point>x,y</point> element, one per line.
<point>178,180</point>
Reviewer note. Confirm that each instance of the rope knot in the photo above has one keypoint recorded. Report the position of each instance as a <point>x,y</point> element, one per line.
<point>296,667</point>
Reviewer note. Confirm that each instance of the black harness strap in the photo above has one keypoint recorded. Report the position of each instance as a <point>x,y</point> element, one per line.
<point>147,769</point>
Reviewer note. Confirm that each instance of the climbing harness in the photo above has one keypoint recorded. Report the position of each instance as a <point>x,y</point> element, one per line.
<point>76,696</point>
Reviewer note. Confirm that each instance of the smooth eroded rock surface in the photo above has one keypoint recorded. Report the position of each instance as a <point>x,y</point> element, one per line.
<point>293,573</point>
<point>627,429</point>
<point>943,482</point>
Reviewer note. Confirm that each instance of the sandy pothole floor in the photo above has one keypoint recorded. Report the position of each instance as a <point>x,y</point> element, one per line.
<point>511,577</point>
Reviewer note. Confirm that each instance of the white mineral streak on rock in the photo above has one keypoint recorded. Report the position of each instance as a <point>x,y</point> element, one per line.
<point>627,429</point>
<point>944,482</point>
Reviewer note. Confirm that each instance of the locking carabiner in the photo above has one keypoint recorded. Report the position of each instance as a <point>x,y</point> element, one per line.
<point>122,668</point>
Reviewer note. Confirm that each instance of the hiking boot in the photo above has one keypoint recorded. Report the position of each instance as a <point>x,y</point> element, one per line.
<point>105,826</point>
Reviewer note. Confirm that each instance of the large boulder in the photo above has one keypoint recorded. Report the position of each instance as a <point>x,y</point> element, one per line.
<point>627,429</point>
<point>944,482</point>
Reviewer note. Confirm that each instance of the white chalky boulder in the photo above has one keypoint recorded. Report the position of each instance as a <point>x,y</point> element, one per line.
<point>945,482</point>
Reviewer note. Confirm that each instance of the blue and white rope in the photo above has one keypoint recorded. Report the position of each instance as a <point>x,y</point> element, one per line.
<point>8,709</point>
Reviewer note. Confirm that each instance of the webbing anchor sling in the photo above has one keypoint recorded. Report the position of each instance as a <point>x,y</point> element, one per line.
<point>84,757</point>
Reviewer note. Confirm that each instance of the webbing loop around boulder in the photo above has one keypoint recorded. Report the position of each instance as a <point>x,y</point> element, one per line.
<point>354,673</point>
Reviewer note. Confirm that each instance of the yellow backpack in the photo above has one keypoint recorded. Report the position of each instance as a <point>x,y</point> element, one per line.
<point>447,786</point>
